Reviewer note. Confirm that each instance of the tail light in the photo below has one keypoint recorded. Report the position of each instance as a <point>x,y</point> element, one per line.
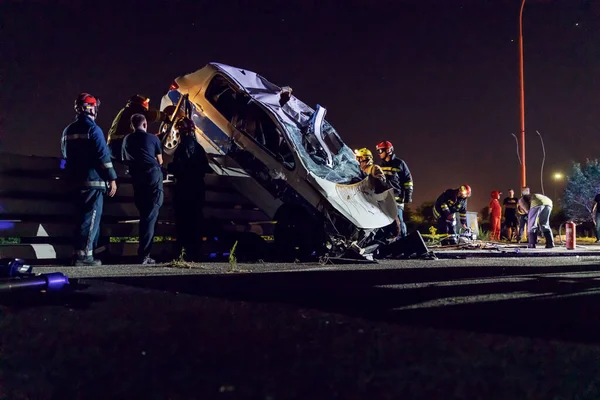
<point>174,86</point>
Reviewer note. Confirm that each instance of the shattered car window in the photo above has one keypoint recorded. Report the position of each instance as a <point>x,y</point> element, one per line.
<point>345,169</point>
<point>295,116</point>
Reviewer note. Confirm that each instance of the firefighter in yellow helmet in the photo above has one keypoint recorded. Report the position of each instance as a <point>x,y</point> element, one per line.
<point>367,166</point>
<point>370,169</point>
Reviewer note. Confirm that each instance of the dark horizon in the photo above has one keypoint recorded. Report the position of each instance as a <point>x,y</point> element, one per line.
<point>439,81</point>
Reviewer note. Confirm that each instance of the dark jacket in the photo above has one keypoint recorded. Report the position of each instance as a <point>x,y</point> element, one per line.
<point>399,177</point>
<point>121,125</point>
<point>190,163</point>
<point>141,149</point>
<point>449,203</point>
<point>88,163</point>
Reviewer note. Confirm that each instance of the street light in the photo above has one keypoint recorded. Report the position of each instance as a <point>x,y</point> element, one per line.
<point>557,177</point>
<point>522,80</point>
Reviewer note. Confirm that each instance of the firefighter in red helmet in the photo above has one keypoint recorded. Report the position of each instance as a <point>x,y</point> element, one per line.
<point>90,174</point>
<point>447,204</point>
<point>121,125</point>
<point>399,177</point>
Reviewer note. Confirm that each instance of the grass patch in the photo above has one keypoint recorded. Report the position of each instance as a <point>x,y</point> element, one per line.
<point>10,240</point>
<point>233,261</point>
<point>180,262</point>
<point>136,239</point>
<point>483,236</point>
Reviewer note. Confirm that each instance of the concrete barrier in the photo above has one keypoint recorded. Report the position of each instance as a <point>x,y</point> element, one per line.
<point>36,214</point>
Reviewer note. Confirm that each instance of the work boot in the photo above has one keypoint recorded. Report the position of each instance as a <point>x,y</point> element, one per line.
<point>532,240</point>
<point>148,261</point>
<point>87,262</point>
<point>549,239</point>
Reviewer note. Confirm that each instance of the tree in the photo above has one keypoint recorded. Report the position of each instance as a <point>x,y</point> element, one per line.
<point>583,185</point>
<point>484,213</point>
<point>424,214</point>
<point>423,218</point>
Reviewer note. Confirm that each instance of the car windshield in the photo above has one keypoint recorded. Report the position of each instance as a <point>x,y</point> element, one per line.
<point>344,169</point>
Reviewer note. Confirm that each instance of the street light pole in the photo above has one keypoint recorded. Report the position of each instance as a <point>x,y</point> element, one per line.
<point>521,70</point>
<point>558,177</point>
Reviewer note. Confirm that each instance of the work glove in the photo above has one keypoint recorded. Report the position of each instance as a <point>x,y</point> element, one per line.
<point>450,217</point>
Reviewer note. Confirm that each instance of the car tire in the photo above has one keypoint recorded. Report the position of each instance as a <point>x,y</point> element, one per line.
<point>168,150</point>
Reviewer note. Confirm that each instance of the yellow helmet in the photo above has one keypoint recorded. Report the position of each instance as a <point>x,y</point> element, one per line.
<point>364,154</point>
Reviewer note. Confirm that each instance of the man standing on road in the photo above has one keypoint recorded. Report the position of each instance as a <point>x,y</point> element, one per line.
<point>144,153</point>
<point>399,178</point>
<point>510,213</point>
<point>90,173</point>
<point>538,208</point>
<point>189,166</point>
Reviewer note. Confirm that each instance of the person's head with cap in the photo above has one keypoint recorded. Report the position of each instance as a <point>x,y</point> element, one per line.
<point>495,194</point>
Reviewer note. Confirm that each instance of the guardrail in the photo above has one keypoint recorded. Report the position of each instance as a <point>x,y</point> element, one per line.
<point>36,214</point>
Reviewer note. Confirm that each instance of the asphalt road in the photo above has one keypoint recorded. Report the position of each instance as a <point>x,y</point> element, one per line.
<point>493,328</point>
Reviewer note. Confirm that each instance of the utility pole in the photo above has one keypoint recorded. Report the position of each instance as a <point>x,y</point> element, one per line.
<point>521,70</point>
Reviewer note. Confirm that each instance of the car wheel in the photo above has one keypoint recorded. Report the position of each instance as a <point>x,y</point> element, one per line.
<point>169,138</point>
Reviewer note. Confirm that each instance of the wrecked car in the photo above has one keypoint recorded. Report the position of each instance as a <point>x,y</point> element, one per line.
<point>283,156</point>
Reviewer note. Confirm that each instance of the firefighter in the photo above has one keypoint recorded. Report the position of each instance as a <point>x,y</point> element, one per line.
<point>449,203</point>
<point>143,151</point>
<point>538,208</point>
<point>121,125</point>
<point>370,169</point>
<point>495,215</point>
<point>90,173</point>
<point>189,166</point>
<point>399,177</point>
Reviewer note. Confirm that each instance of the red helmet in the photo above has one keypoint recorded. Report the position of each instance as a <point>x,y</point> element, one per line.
<point>85,103</point>
<point>139,99</point>
<point>464,191</point>
<point>385,147</point>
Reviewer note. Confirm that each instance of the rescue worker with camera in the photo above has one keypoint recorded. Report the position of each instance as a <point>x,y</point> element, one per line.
<point>189,166</point>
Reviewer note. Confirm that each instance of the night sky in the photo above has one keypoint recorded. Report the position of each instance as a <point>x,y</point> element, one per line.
<point>437,78</point>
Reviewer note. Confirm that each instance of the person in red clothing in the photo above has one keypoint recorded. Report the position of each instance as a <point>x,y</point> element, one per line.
<point>495,215</point>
